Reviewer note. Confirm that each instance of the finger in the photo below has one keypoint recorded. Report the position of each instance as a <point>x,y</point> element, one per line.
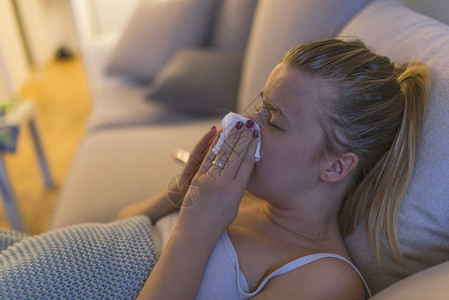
<point>247,165</point>
<point>209,158</point>
<point>239,152</point>
<point>206,148</point>
<point>200,149</point>
<point>229,144</point>
<point>195,159</point>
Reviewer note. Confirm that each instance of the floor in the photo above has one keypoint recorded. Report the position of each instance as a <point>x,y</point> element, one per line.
<point>61,98</point>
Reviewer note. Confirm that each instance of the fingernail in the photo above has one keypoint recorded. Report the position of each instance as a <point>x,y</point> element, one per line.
<point>239,125</point>
<point>249,123</point>
<point>255,134</point>
<point>213,127</point>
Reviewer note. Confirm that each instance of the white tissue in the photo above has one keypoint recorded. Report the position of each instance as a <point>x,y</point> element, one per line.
<point>229,122</point>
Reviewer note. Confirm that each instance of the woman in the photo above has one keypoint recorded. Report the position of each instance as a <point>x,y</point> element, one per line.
<point>339,127</point>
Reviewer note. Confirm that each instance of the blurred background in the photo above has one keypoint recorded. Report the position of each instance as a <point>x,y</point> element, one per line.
<point>40,62</point>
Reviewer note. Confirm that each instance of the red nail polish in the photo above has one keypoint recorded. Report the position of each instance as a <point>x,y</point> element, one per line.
<point>213,127</point>
<point>249,123</point>
<point>255,134</point>
<point>239,125</point>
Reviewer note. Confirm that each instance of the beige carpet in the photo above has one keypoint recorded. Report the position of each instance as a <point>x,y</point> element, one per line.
<point>61,98</point>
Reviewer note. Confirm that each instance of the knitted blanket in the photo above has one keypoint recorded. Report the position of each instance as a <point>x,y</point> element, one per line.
<point>88,261</point>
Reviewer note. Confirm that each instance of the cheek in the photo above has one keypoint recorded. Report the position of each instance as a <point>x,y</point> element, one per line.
<point>274,172</point>
<point>283,155</point>
<point>277,155</point>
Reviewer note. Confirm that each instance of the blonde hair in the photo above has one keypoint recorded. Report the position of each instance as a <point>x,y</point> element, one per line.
<point>376,113</point>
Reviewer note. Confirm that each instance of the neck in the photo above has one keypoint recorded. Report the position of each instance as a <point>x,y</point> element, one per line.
<point>298,223</point>
<point>313,217</point>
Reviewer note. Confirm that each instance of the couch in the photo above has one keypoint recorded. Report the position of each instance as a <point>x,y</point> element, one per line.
<point>126,154</point>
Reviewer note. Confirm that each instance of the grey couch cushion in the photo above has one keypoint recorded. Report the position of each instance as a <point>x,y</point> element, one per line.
<point>281,24</point>
<point>113,168</point>
<point>393,30</point>
<point>199,81</point>
<point>232,26</point>
<point>126,105</point>
<point>155,31</point>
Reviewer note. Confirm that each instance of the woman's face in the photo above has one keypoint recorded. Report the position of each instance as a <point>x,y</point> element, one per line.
<point>291,135</point>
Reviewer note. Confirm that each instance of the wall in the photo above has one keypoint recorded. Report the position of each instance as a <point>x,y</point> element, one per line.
<point>59,23</point>
<point>47,26</point>
<point>2,86</point>
<point>32,16</point>
<point>13,61</point>
<point>111,14</point>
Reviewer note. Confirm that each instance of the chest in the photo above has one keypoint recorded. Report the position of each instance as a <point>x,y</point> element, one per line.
<point>258,249</point>
<point>258,258</point>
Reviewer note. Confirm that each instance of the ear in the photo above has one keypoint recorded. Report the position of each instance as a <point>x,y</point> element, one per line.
<point>339,167</point>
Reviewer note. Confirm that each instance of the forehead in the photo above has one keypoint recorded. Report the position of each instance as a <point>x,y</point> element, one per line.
<point>295,92</point>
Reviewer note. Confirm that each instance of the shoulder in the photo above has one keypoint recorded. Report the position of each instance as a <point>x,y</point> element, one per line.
<point>326,278</point>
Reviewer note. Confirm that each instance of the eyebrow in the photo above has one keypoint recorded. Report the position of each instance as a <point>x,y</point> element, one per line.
<point>272,106</point>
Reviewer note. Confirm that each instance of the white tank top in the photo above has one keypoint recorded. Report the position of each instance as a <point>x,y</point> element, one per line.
<point>223,279</point>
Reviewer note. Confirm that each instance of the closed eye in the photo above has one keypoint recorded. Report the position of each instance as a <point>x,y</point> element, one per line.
<point>270,117</point>
<point>265,111</point>
<point>270,110</point>
<point>267,114</point>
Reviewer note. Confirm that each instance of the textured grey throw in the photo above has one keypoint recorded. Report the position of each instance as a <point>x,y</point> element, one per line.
<point>88,261</point>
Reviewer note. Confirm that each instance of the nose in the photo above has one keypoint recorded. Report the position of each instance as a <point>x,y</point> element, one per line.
<point>260,118</point>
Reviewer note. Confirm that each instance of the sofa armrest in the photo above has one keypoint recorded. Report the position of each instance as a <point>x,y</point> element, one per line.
<point>432,283</point>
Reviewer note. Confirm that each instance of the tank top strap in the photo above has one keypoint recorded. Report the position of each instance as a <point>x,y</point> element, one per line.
<point>299,262</point>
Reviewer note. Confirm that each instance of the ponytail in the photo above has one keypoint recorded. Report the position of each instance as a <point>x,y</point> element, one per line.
<point>385,185</point>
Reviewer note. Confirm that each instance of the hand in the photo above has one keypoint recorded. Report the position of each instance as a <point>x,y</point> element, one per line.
<point>213,199</point>
<point>179,187</point>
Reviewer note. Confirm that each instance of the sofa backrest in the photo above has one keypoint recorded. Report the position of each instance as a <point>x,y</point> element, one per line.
<point>393,30</point>
<point>436,9</point>
<point>232,25</point>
